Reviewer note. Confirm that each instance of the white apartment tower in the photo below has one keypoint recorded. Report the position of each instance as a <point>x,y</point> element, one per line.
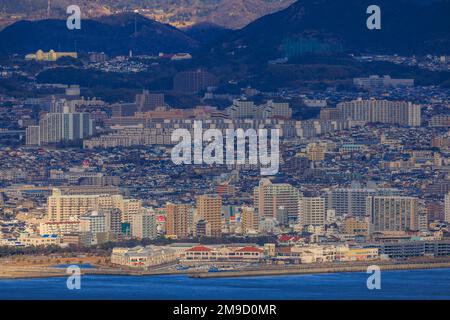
<point>384,111</point>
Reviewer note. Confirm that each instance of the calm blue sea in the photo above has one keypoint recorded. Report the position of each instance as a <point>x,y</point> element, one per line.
<point>411,284</point>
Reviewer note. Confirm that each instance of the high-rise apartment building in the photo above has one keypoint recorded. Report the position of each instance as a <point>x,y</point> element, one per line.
<point>94,227</point>
<point>280,110</point>
<point>268,197</point>
<point>352,201</point>
<point>62,106</point>
<point>249,220</point>
<point>143,225</point>
<point>242,109</point>
<point>113,221</point>
<point>193,81</point>
<point>33,136</point>
<point>328,114</point>
<point>177,220</point>
<point>349,202</point>
<point>392,213</point>
<point>312,211</point>
<point>58,127</point>
<point>246,109</point>
<point>128,207</point>
<point>384,111</point>
<point>209,208</point>
<point>65,207</point>
<point>147,101</point>
<point>282,217</point>
<point>447,207</point>
<point>124,109</point>
<point>94,222</point>
<point>202,228</point>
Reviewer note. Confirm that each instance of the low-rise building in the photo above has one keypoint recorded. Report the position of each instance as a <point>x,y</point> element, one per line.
<point>144,257</point>
<point>203,253</point>
<point>37,240</point>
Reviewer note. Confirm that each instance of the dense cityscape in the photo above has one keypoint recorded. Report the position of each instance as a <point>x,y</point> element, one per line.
<point>87,170</point>
<point>368,171</point>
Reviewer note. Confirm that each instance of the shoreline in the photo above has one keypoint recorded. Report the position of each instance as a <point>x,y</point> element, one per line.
<point>53,272</point>
<point>319,270</point>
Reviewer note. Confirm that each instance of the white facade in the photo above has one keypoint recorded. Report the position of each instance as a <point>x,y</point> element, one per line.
<point>384,111</point>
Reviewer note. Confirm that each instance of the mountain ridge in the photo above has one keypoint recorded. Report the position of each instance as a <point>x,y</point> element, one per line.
<point>333,26</point>
<point>408,27</point>
<point>114,35</point>
<point>230,14</point>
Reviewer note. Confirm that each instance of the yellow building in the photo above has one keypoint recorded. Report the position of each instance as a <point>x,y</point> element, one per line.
<point>330,253</point>
<point>66,207</point>
<point>359,254</point>
<point>356,226</point>
<point>50,56</point>
<point>209,207</point>
<point>316,151</point>
<point>144,257</point>
<point>250,221</point>
<point>36,240</point>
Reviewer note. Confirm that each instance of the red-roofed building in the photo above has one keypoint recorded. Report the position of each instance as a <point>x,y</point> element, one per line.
<point>284,238</point>
<point>250,249</point>
<point>198,253</point>
<point>249,253</point>
<point>287,239</point>
<point>199,249</point>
